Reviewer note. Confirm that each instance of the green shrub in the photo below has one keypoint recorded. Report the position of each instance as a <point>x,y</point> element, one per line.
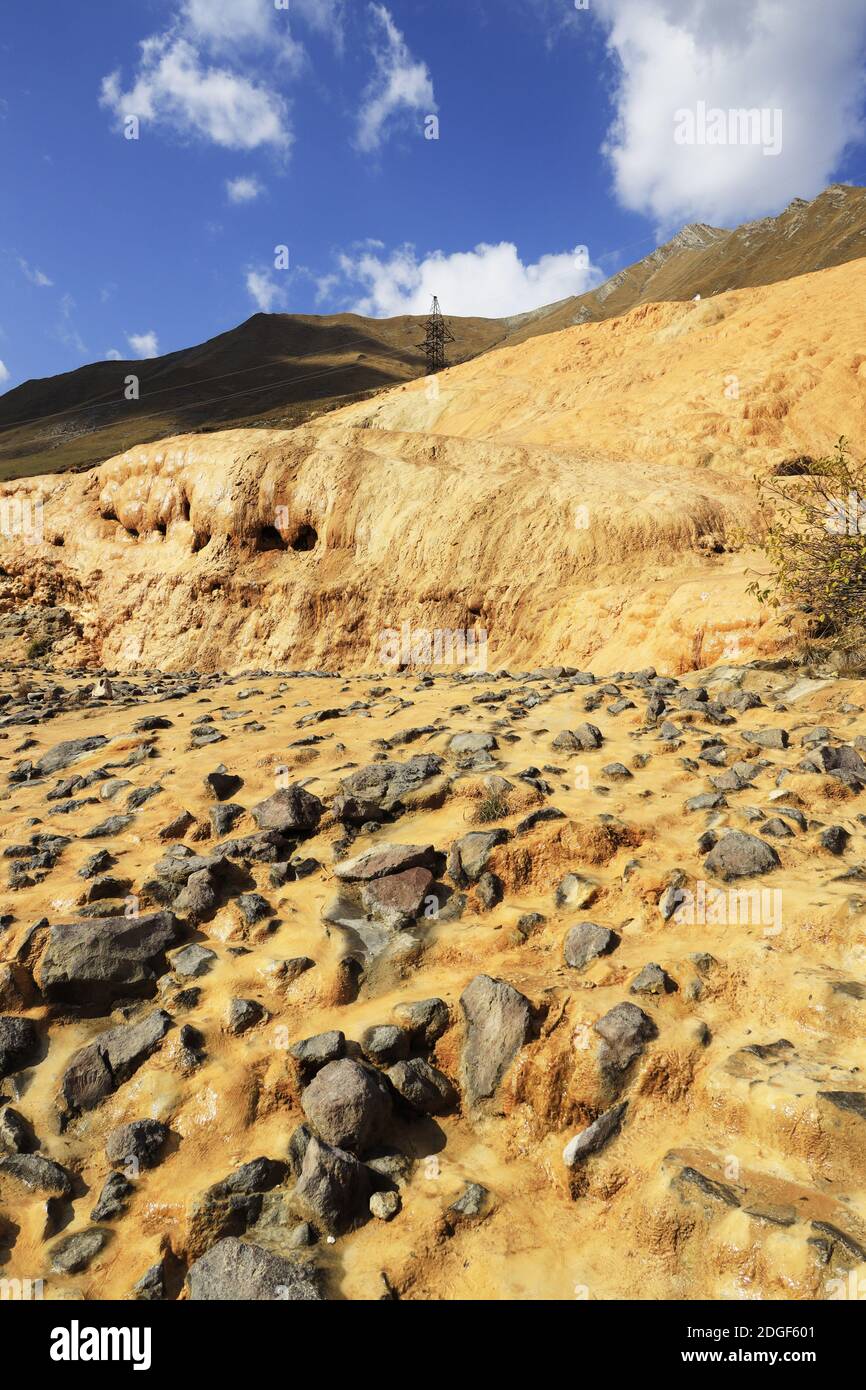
<point>815,543</point>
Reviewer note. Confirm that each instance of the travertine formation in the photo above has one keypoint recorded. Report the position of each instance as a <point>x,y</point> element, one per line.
<point>585,496</point>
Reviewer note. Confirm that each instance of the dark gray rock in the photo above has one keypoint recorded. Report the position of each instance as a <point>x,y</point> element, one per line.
<point>348,1106</point>
<point>38,1174</point>
<point>221,784</point>
<point>740,855</point>
<point>113,1198</point>
<point>333,1189</point>
<point>140,1143</point>
<point>19,1043</point>
<point>617,772</point>
<point>386,783</point>
<point>107,828</point>
<point>583,738</point>
<point>498,1023</point>
<point>193,961</point>
<point>254,908</point>
<point>423,1088</point>
<point>468,856</point>
<point>94,963</point>
<point>150,1288</point>
<point>74,1253</point>
<point>593,1139</point>
<point>244,1014</point>
<point>651,980</point>
<point>489,890</point>
<point>199,898</point>
<point>224,816</point>
<point>472,1204</point>
<point>230,1207</point>
<point>834,838</point>
<point>385,1044</point>
<point>291,811</point>
<point>97,1070</point>
<point>236,1271</point>
<point>586,942</point>
<point>311,1054</point>
<point>62,754</point>
<point>624,1032</point>
<point>425,1020</point>
<point>355,810</point>
<point>766,738</point>
<point>16,1134</point>
<point>776,827</point>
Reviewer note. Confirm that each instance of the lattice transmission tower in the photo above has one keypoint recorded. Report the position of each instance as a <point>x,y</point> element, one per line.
<point>437,335</point>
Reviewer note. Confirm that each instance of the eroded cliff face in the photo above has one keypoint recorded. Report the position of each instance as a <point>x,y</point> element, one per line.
<point>302,549</point>
<point>584,496</point>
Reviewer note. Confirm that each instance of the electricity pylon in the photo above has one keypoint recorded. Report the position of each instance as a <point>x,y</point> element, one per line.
<point>438,334</point>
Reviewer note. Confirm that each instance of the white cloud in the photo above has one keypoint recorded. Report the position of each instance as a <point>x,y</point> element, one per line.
<point>66,331</point>
<point>228,25</point>
<point>264,290</point>
<point>175,87</point>
<point>230,21</point>
<point>113,355</point>
<point>4,372</point>
<point>324,15</point>
<point>143,344</point>
<point>490,281</point>
<point>244,189</point>
<point>215,71</point>
<point>36,277</point>
<point>400,83</point>
<point>672,54</point>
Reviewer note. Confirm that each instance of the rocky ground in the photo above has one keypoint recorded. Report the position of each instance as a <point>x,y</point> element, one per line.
<point>510,986</point>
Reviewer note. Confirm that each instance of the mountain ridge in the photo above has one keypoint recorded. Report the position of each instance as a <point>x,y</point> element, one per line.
<point>281,370</point>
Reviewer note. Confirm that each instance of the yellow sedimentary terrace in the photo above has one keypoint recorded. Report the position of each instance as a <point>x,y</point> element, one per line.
<point>583,496</point>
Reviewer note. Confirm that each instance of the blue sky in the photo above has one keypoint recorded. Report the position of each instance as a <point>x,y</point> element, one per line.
<point>304,123</point>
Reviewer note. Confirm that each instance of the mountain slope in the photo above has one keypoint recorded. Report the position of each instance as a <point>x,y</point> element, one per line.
<point>279,370</point>
<point>275,370</point>
<point>807,236</point>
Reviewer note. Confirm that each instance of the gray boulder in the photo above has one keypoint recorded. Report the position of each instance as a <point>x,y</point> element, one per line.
<point>19,1043</point>
<point>38,1174</point>
<point>468,856</point>
<point>347,1105</point>
<point>291,811</point>
<point>333,1188</point>
<point>97,1070</point>
<point>385,1044</point>
<point>244,1014</point>
<point>586,942</point>
<point>624,1031</point>
<point>498,1023</point>
<point>311,1054</point>
<point>740,855</point>
<point>384,860</point>
<point>62,754</point>
<point>236,1271</point>
<point>387,783</point>
<point>141,1142</point>
<point>94,963</point>
<point>74,1253</point>
<point>422,1087</point>
<point>425,1020</point>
